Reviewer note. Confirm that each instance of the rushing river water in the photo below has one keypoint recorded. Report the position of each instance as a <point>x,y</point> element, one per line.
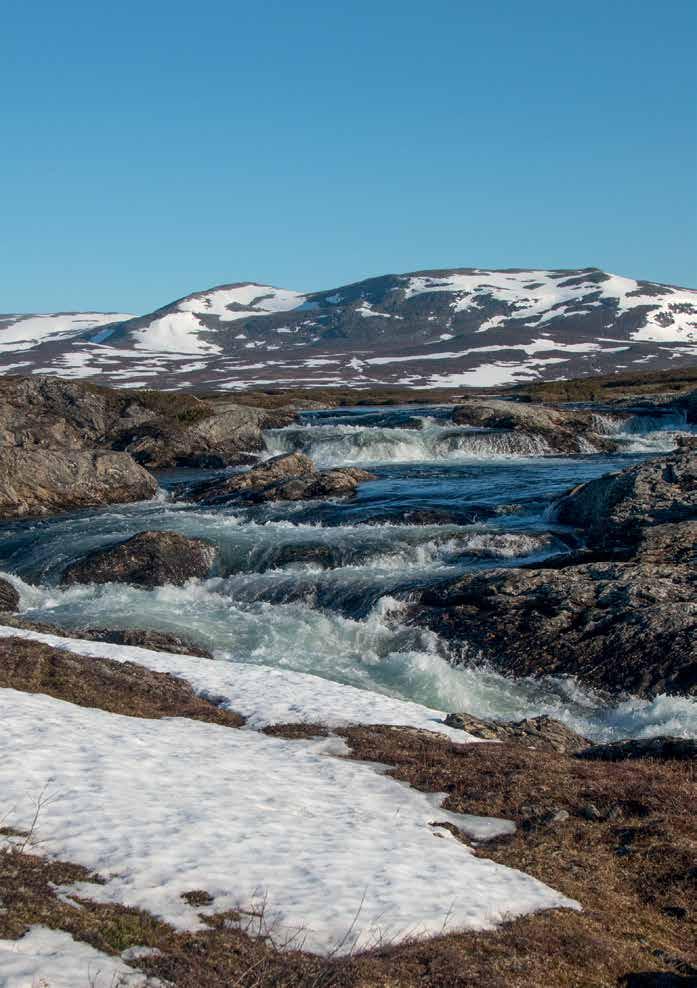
<point>319,587</point>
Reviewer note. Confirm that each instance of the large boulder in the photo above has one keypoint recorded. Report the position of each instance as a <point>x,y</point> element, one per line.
<point>290,477</point>
<point>616,508</point>
<point>629,626</point>
<point>562,430</point>
<point>149,559</point>
<point>36,482</point>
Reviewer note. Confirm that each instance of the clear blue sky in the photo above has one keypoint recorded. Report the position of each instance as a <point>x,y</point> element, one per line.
<point>152,148</point>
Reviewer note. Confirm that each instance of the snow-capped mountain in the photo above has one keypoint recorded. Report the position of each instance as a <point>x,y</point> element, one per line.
<point>449,328</point>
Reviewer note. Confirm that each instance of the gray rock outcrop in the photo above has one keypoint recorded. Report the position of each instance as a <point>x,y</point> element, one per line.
<point>35,481</point>
<point>623,619</point>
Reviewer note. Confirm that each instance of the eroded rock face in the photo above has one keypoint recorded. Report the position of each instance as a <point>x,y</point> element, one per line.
<point>534,732</point>
<point>563,430</point>
<point>616,508</point>
<point>149,559</point>
<point>36,482</point>
<point>290,477</point>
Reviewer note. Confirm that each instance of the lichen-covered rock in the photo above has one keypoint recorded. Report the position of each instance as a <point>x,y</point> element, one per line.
<point>36,482</point>
<point>534,732</point>
<point>149,559</point>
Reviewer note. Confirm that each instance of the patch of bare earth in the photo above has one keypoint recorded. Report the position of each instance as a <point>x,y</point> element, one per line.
<point>117,687</point>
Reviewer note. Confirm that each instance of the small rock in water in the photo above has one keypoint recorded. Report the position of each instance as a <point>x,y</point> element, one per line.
<point>149,559</point>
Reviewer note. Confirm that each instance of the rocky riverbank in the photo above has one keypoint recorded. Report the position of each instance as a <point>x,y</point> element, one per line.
<point>621,616</point>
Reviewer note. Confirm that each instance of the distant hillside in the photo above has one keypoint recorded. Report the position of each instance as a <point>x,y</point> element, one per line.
<point>456,328</point>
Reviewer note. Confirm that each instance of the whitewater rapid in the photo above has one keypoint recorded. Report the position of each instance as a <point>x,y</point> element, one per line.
<point>322,587</point>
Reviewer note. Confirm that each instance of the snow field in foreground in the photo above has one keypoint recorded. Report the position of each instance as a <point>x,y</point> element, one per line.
<point>161,807</point>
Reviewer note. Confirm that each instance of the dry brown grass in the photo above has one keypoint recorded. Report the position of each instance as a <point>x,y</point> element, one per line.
<point>632,864</point>
<point>118,687</point>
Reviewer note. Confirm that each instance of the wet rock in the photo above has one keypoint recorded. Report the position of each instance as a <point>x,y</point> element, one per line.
<point>621,615</point>
<point>628,626</point>
<point>317,553</point>
<point>534,732</point>
<point>149,559</point>
<point>37,482</point>
<point>618,508</point>
<point>290,477</point>
<point>663,747</point>
<point>9,597</point>
<point>156,641</point>
<point>564,430</point>
<point>428,516</point>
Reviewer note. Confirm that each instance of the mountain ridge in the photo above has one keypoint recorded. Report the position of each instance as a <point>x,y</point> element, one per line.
<point>443,327</point>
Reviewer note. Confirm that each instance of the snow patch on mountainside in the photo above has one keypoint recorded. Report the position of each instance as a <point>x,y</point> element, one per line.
<point>24,332</point>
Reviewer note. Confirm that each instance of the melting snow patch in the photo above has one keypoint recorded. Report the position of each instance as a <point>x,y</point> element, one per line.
<point>251,819</point>
<point>52,958</point>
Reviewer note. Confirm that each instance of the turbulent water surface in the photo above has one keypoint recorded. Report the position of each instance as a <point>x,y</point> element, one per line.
<point>320,587</point>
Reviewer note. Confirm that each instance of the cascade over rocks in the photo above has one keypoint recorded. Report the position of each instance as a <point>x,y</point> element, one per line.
<point>619,621</point>
<point>289,477</point>
<point>35,481</point>
<point>149,559</point>
<point>563,430</point>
